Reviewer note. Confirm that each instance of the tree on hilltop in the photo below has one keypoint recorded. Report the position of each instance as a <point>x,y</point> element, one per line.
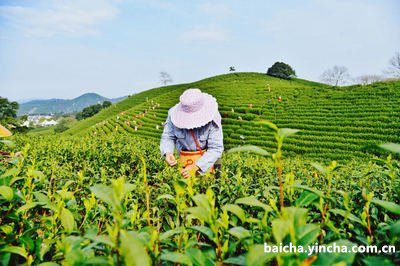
<point>394,66</point>
<point>165,78</point>
<point>8,109</point>
<point>281,70</point>
<point>106,104</point>
<point>368,79</point>
<point>337,75</point>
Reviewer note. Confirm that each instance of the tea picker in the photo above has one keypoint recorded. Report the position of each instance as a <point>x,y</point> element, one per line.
<point>5,155</point>
<point>194,127</point>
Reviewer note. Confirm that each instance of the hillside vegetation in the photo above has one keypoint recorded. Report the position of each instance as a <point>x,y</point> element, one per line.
<point>63,106</point>
<point>335,122</point>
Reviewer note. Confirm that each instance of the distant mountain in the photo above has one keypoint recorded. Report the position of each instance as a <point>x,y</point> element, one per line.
<point>63,106</point>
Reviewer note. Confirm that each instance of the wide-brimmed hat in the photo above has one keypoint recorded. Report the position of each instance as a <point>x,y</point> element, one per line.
<point>195,109</point>
<point>4,132</point>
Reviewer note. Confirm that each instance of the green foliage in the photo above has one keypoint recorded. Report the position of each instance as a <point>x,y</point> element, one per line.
<point>61,126</point>
<point>336,124</point>
<point>92,110</point>
<point>106,104</point>
<point>281,70</point>
<point>8,109</point>
<point>102,200</point>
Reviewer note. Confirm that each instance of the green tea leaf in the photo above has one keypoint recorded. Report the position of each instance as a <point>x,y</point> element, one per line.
<point>176,258</point>
<point>239,260</point>
<point>337,258</point>
<point>280,229</point>
<point>306,198</point>
<point>201,201</point>
<point>27,206</point>
<point>307,234</point>
<point>346,215</point>
<point>167,196</point>
<point>67,220</point>
<point>43,199</point>
<point>239,232</point>
<point>307,188</point>
<point>15,250</point>
<point>269,125</point>
<point>11,172</point>
<point>395,229</point>
<point>165,235</point>
<point>250,148</point>
<point>257,257</point>
<point>286,132</point>
<point>199,213</point>
<point>377,260</point>
<point>204,230</point>
<point>392,147</point>
<point>6,192</point>
<point>236,210</point>
<point>319,167</point>
<point>252,201</point>
<point>106,194</point>
<point>133,250</point>
<point>390,206</point>
<point>105,239</point>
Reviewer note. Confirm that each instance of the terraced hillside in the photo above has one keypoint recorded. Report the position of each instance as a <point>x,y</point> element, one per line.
<point>336,123</point>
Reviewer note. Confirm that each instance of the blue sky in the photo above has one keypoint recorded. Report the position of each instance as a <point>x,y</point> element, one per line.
<point>61,49</point>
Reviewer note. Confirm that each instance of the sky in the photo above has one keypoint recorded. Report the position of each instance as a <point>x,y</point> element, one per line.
<point>64,48</point>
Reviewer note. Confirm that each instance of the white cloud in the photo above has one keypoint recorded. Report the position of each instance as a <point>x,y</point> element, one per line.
<point>54,17</point>
<point>205,34</point>
<point>216,10</point>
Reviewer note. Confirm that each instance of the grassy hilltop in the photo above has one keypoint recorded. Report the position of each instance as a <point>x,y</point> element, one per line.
<point>336,123</point>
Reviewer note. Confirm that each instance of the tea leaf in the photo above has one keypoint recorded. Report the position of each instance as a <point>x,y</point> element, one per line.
<point>239,260</point>
<point>307,234</point>
<point>167,196</point>
<point>269,125</point>
<point>204,230</point>
<point>392,147</point>
<point>239,232</point>
<point>15,250</point>
<point>67,220</point>
<point>280,229</point>
<point>337,258</point>
<point>133,250</point>
<point>257,257</point>
<point>319,167</point>
<point>106,194</point>
<point>201,214</point>
<point>346,215</point>
<point>105,239</point>
<point>6,192</point>
<point>252,201</point>
<point>306,198</point>
<point>286,132</point>
<point>390,206</point>
<point>27,206</point>
<point>235,209</point>
<point>176,258</point>
<point>164,236</point>
<point>250,148</point>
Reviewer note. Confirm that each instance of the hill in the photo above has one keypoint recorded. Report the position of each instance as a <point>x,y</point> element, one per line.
<point>62,106</point>
<point>335,122</point>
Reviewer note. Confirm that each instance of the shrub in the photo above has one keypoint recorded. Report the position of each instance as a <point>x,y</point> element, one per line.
<point>281,70</point>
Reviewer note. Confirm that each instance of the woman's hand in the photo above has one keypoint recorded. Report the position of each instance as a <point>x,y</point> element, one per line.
<point>188,170</point>
<point>170,158</point>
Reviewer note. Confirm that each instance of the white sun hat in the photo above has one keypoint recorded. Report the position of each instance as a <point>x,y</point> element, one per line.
<point>195,109</point>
